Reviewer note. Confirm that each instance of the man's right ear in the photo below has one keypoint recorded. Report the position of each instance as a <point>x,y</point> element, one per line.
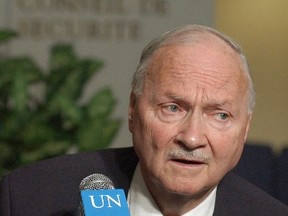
<point>131,110</point>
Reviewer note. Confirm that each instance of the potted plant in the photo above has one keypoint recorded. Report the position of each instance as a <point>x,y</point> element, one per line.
<point>33,128</point>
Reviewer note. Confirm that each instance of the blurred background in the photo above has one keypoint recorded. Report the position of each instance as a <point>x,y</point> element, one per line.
<point>66,67</point>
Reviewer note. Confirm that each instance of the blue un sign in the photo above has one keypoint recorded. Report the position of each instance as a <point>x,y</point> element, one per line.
<point>104,202</point>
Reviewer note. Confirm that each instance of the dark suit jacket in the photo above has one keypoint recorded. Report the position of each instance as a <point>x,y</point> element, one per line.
<point>50,188</point>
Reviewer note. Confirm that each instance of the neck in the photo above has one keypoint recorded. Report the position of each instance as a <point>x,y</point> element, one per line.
<point>173,204</point>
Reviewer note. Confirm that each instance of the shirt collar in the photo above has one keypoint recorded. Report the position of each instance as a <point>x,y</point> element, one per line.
<point>141,202</point>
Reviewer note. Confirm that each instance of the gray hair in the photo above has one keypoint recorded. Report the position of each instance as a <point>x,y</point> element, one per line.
<point>187,35</point>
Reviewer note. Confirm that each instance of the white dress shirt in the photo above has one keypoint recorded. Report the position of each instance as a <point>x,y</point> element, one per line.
<point>141,202</point>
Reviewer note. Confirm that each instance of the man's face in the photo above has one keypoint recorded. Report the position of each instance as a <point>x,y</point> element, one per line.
<point>191,121</point>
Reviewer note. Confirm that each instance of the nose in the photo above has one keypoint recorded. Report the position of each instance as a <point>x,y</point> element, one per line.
<point>192,132</point>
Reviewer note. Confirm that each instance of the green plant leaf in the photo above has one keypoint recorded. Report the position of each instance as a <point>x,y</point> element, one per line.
<point>101,104</point>
<point>36,131</point>
<point>5,153</point>
<point>69,74</point>
<point>110,129</point>
<point>8,67</point>
<point>97,134</point>
<point>62,62</point>
<point>72,86</point>
<point>32,128</point>
<point>6,35</point>
<point>47,150</point>
<point>7,157</point>
<point>88,67</point>
<point>62,56</point>
<point>67,110</point>
<point>10,125</point>
<point>17,74</point>
<point>19,92</point>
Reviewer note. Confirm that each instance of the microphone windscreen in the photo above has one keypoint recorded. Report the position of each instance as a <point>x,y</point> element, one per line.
<point>98,197</point>
<point>96,182</point>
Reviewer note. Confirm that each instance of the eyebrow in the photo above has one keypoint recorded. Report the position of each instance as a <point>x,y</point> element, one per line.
<point>211,100</point>
<point>211,104</point>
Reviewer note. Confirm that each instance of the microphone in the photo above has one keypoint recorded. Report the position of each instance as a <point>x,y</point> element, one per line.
<point>99,197</point>
<point>96,182</point>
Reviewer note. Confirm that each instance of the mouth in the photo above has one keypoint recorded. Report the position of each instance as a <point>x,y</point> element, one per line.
<point>187,162</point>
<point>194,158</point>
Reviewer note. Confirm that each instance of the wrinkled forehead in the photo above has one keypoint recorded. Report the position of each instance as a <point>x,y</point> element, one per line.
<point>210,65</point>
<point>208,56</point>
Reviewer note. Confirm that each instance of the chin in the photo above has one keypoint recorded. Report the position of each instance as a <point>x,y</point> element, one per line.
<point>183,189</point>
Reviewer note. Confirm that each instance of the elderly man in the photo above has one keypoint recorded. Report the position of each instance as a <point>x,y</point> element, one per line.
<point>190,109</point>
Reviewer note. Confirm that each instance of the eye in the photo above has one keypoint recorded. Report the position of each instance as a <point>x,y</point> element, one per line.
<point>172,108</point>
<point>170,112</point>
<point>223,116</point>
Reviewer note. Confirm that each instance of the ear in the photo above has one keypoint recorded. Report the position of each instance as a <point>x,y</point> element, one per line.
<point>247,127</point>
<point>131,111</point>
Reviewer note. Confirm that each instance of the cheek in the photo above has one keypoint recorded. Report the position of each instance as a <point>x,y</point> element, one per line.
<point>151,139</point>
<point>154,134</point>
<point>227,150</point>
<point>160,136</point>
<point>143,136</point>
